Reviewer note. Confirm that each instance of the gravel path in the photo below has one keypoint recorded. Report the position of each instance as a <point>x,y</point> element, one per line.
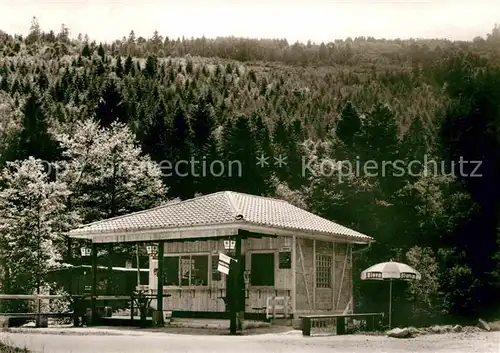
<point>152,342</point>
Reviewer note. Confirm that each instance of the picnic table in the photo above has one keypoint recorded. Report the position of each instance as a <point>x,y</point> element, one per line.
<point>139,299</point>
<point>143,302</point>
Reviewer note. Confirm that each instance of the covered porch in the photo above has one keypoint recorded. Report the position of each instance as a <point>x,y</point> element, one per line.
<point>291,261</point>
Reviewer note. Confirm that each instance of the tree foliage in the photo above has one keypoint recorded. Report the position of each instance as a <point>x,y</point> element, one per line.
<point>33,216</point>
<point>127,125</point>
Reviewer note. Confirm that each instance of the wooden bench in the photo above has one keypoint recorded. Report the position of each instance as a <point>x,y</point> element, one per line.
<point>336,323</point>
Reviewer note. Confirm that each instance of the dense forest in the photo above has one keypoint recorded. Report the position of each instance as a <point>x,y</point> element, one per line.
<point>86,130</point>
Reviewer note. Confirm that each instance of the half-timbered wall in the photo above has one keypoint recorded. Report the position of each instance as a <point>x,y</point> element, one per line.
<point>323,276</point>
<point>343,278</point>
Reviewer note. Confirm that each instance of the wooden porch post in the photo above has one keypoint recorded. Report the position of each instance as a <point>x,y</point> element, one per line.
<point>94,285</point>
<point>294,276</point>
<point>69,261</point>
<point>73,300</point>
<point>352,281</point>
<point>109,273</point>
<point>159,289</point>
<point>238,288</point>
<point>314,275</point>
<point>334,270</point>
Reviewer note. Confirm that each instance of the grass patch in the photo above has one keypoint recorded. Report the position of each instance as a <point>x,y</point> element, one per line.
<point>9,349</point>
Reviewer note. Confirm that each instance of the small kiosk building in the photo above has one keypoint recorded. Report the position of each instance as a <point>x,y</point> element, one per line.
<point>287,252</point>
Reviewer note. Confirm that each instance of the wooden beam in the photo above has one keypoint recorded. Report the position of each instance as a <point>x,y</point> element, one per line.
<point>352,283</point>
<point>30,296</point>
<point>241,271</point>
<point>212,231</point>
<point>334,270</point>
<point>164,234</point>
<point>109,271</point>
<point>346,309</point>
<point>314,275</point>
<point>69,259</point>
<point>112,297</point>
<point>137,259</point>
<point>342,278</point>
<point>94,283</point>
<point>304,275</point>
<point>294,274</point>
<point>237,296</point>
<point>159,286</point>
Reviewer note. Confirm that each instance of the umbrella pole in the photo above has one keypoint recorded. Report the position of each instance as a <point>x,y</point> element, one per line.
<point>390,303</point>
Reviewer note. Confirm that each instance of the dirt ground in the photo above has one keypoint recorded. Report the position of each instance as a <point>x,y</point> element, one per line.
<point>140,341</point>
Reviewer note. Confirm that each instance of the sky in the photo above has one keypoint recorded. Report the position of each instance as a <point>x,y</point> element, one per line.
<point>316,20</point>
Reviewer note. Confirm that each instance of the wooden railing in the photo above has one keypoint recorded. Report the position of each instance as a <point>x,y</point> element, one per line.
<point>140,300</point>
<point>30,296</point>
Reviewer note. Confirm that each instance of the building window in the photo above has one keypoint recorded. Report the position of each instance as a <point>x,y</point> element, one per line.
<point>171,270</point>
<point>323,271</point>
<point>199,270</point>
<point>186,270</point>
<point>216,276</point>
<point>262,270</point>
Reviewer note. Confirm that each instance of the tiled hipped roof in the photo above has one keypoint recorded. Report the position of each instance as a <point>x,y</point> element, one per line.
<point>222,208</point>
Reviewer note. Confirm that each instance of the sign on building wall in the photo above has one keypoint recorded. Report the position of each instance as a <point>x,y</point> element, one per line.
<point>285,259</point>
<point>223,265</point>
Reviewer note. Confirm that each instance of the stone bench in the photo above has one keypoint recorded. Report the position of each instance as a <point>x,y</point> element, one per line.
<point>336,323</point>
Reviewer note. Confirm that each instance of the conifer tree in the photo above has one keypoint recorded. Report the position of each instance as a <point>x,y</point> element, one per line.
<point>264,150</point>
<point>129,63</point>
<point>86,51</point>
<point>180,175</point>
<point>111,105</point>
<point>204,143</point>
<point>240,153</point>
<point>34,138</point>
<point>101,53</point>
<point>119,66</point>
<point>150,69</point>
<point>417,142</point>
<point>349,125</point>
<point>155,137</point>
<point>280,148</point>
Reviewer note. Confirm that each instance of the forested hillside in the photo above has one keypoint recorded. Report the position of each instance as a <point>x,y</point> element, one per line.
<point>90,131</point>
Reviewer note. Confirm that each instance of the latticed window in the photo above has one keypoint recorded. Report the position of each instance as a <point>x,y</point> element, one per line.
<point>323,271</point>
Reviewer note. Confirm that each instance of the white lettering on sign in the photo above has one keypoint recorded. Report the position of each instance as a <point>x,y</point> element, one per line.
<point>225,258</point>
<point>374,275</point>
<point>223,267</point>
<point>408,275</point>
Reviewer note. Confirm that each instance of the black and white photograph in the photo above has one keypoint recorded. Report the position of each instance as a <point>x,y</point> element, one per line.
<point>249,176</point>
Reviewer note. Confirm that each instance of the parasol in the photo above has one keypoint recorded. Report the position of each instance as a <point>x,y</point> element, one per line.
<point>389,271</point>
